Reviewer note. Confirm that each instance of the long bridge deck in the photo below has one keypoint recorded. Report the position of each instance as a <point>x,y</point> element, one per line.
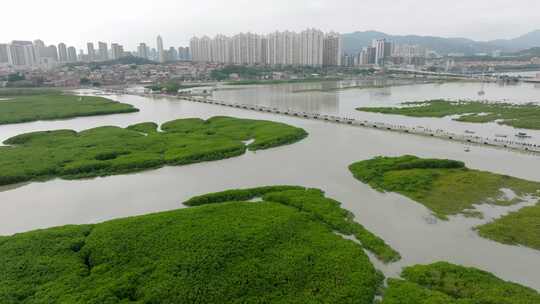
<point>438,133</point>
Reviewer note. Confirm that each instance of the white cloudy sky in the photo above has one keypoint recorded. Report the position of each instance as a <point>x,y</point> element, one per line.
<point>131,21</point>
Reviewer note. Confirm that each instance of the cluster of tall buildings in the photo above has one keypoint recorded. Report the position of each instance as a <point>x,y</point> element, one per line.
<point>24,54</point>
<point>308,48</point>
<point>161,54</point>
<point>102,53</point>
<point>382,52</point>
<point>29,54</point>
<point>21,53</point>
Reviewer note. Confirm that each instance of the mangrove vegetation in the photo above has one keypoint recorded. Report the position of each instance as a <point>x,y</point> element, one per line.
<point>312,202</point>
<point>517,228</point>
<point>446,187</point>
<point>445,283</point>
<point>526,116</point>
<point>285,247</point>
<point>113,150</point>
<point>26,105</point>
<point>229,252</point>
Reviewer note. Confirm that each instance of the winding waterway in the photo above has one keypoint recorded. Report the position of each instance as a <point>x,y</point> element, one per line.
<point>321,161</point>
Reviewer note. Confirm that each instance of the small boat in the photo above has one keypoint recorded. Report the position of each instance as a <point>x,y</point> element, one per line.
<point>501,135</point>
<point>523,135</point>
<point>469,132</point>
<point>467,149</point>
<point>481,93</point>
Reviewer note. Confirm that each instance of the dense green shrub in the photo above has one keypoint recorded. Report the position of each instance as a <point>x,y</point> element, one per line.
<point>405,292</point>
<point>312,202</point>
<point>236,195</point>
<point>446,187</point>
<point>235,252</point>
<point>43,104</point>
<point>525,116</point>
<point>462,284</point>
<point>113,150</point>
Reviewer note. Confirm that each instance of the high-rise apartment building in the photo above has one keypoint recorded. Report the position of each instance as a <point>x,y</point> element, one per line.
<point>62,52</point>
<point>332,49</point>
<point>39,47</point>
<point>91,51</point>
<point>161,53</point>
<point>22,53</point>
<point>184,54</point>
<point>103,51</point>
<point>383,50</point>
<point>117,51</point>
<point>142,50</point>
<point>72,54</point>
<point>4,53</point>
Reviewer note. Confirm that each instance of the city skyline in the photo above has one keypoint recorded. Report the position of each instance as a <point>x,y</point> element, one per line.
<point>179,21</point>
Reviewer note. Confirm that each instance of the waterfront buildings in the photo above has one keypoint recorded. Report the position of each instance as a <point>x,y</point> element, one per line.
<point>311,47</point>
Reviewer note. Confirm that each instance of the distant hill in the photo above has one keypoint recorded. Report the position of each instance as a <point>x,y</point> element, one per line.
<point>532,52</point>
<point>354,42</point>
<point>527,41</point>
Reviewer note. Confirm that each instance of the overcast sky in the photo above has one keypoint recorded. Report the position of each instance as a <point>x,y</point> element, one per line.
<point>131,21</point>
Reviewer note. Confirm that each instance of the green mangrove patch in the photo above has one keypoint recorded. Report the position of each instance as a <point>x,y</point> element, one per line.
<point>230,252</point>
<point>446,187</point>
<point>517,228</point>
<point>526,116</point>
<point>32,105</point>
<point>312,202</point>
<point>444,283</point>
<point>114,150</point>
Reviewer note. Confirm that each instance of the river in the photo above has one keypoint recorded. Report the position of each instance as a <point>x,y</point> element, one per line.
<point>320,161</point>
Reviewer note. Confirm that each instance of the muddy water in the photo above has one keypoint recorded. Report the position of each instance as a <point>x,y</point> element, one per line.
<point>320,161</point>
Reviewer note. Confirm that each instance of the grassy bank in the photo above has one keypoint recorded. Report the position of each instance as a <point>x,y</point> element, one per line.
<point>26,105</point>
<point>526,116</point>
<point>446,187</point>
<point>444,283</point>
<point>113,150</point>
<point>233,252</point>
<point>311,202</point>
<point>518,228</point>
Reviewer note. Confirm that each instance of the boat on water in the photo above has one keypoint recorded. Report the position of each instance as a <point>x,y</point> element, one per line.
<point>481,93</point>
<point>501,135</point>
<point>523,135</point>
<point>467,149</point>
<point>470,132</point>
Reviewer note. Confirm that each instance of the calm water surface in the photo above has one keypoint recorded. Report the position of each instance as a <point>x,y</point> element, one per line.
<point>344,103</point>
<point>320,161</point>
